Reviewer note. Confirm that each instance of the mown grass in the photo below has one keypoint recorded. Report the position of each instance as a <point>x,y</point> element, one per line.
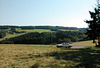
<point>84,43</point>
<point>36,30</point>
<point>47,56</point>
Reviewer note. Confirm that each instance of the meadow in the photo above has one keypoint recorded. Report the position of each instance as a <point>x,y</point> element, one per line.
<point>49,56</point>
<point>35,30</point>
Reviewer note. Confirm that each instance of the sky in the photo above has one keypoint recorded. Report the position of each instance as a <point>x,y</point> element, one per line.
<point>68,13</point>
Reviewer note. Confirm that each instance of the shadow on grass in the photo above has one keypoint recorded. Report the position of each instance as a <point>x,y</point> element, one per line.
<point>31,56</point>
<point>87,58</point>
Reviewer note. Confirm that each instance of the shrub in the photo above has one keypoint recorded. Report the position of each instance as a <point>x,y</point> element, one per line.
<point>7,42</point>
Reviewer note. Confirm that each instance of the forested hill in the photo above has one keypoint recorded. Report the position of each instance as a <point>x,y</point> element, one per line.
<point>46,37</point>
<point>43,27</point>
<point>56,35</point>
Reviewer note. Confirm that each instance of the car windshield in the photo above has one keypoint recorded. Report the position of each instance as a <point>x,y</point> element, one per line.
<point>65,43</point>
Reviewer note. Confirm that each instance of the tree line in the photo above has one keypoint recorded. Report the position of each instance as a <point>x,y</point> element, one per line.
<point>46,37</point>
<point>52,28</point>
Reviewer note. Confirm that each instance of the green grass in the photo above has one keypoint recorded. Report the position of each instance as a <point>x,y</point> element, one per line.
<point>84,43</point>
<point>36,30</point>
<point>48,56</point>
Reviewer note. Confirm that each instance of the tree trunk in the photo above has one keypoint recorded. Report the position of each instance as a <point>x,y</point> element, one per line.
<point>95,43</point>
<point>98,42</point>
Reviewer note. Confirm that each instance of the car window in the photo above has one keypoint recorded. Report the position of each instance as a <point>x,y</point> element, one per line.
<point>65,43</point>
<point>62,43</point>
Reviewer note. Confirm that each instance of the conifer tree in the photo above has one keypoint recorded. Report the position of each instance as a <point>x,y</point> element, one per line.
<point>94,25</point>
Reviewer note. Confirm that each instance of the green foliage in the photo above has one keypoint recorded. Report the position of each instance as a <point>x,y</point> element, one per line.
<point>27,27</point>
<point>47,37</point>
<point>54,28</point>
<point>66,40</point>
<point>2,27</point>
<point>13,29</point>
<point>7,42</point>
<point>94,25</point>
<point>2,34</point>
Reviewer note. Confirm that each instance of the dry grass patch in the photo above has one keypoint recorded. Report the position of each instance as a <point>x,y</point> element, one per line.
<point>47,56</point>
<point>12,55</point>
<point>84,43</point>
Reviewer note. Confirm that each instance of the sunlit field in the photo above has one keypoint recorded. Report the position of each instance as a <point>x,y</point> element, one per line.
<point>84,43</point>
<point>48,56</point>
<point>36,30</point>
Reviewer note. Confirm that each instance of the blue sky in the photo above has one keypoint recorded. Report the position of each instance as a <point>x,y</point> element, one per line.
<point>69,13</point>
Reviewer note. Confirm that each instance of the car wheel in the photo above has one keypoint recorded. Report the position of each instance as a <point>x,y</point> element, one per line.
<point>69,47</point>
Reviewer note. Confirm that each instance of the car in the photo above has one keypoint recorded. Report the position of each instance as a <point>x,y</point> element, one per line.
<point>65,45</point>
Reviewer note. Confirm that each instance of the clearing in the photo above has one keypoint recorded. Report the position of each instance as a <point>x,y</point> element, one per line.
<point>36,30</point>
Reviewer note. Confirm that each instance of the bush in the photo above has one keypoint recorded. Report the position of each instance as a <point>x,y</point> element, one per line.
<point>54,29</point>
<point>7,42</point>
<point>2,34</point>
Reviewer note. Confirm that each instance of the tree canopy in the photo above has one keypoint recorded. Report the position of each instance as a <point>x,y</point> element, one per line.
<point>46,37</point>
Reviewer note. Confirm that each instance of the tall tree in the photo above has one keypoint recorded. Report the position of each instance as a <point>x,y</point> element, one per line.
<point>94,25</point>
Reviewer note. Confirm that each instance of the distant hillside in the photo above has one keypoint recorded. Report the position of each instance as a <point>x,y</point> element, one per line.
<point>52,28</point>
<point>46,37</point>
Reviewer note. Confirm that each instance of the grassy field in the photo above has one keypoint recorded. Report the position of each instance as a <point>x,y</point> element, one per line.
<point>48,56</point>
<point>84,43</point>
<point>35,30</point>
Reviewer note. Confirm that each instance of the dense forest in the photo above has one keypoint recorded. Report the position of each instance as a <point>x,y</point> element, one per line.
<point>60,34</point>
<point>46,37</point>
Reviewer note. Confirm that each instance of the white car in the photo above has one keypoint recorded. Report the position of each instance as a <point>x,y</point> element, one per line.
<point>66,45</point>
